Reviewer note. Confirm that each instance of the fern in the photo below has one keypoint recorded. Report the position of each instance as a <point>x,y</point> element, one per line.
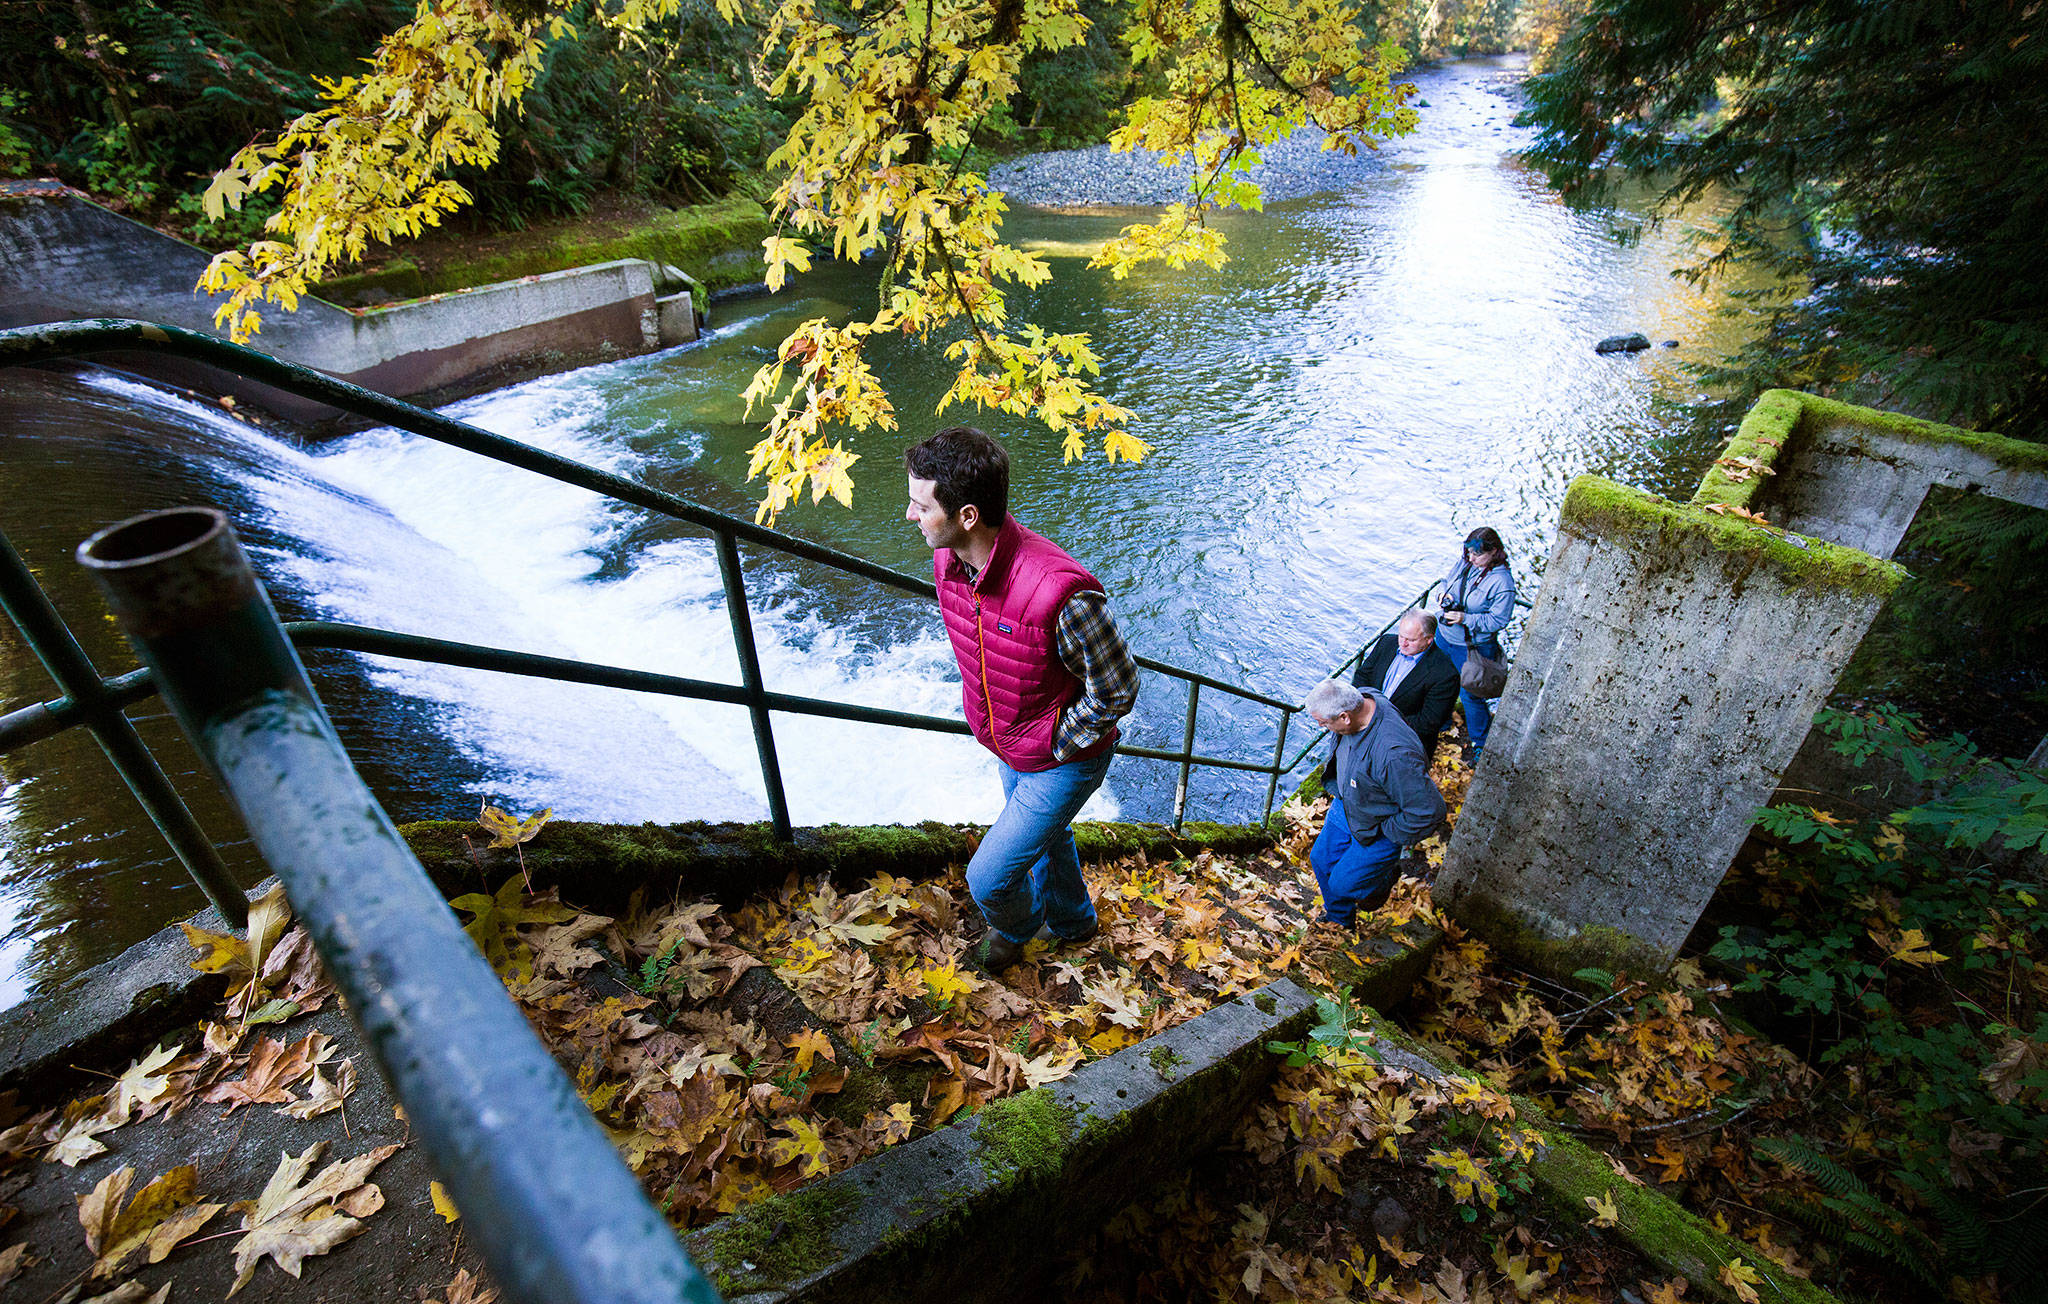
<point>1860,1219</point>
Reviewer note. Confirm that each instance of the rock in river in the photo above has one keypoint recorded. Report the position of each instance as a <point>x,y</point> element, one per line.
<point>1623,344</point>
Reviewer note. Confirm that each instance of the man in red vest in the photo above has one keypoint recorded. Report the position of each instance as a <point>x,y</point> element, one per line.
<point>1044,677</point>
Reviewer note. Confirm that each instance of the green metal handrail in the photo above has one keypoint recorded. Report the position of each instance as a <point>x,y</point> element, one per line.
<point>84,703</point>
<point>1351,663</point>
<point>559,1216</point>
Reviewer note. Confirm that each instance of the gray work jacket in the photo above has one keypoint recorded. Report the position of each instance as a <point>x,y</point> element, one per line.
<point>1382,779</point>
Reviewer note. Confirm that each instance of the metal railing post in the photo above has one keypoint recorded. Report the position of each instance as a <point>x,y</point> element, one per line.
<point>556,1212</point>
<point>750,677</point>
<point>1187,756</point>
<point>1279,750</point>
<point>43,629</point>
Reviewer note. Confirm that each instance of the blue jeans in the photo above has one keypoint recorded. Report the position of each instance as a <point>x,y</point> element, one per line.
<point>1478,711</point>
<point>1348,871</point>
<point>1027,871</point>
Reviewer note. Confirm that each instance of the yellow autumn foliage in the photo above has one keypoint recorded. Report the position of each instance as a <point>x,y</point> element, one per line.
<point>874,163</point>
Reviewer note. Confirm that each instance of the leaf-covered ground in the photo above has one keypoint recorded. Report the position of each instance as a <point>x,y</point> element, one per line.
<point>735,1053</point>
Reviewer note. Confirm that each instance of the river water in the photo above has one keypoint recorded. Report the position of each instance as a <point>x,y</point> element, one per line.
<point>1376,372</point>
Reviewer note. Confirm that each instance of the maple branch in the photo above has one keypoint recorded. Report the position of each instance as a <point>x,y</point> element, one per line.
<point>953,276</point>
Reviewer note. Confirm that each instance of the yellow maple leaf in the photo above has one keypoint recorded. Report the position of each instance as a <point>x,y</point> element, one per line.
<point>1668,1292</point>
<point>1911,947</point>
<point>507,830</point>
<point>1516,1269</point>
<point>443,1205</point>
<point>808,1045</point>
<point>806,955</point>
<point>1741,1278</point>
<point>946,983</point>
<point>803,1145</point>
<point>1604,1212</point>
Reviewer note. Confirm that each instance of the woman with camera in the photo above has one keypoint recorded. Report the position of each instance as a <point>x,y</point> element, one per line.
<point>1474,606</point>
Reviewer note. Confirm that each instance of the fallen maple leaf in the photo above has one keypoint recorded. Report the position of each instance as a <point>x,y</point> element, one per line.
<point>116,1227</point>
<point>1741,1278</point>
<point>466,1289</point>
<point>803,1143</point>
<point>443,1205</point>
<point>131,1292</point>
<point>506,830</point>
<point>1605,1214</point>
<point>809,1044</point>
<point>77,1138</point>
<point>13,1259</point>
<point>273,1068</point>
<point>141,1084</point>
<point>242,957</point>
<point>495,930</point>
<point>324,1094</point>
<point>293,1219</point>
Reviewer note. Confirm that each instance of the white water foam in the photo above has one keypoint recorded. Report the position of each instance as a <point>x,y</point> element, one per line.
<point>408,534</point>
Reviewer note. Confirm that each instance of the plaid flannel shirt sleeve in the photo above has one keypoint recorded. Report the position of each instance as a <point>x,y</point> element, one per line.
<point>1093,652</point>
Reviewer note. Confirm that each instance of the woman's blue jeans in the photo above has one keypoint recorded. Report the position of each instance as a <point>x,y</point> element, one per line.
<point>1027,870</point>
<point>1478,711</point>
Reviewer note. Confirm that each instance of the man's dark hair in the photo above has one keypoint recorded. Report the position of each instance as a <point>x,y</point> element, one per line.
<point>965,466</point>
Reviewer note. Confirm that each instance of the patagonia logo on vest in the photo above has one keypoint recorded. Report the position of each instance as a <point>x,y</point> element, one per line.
<point>1005,628</point>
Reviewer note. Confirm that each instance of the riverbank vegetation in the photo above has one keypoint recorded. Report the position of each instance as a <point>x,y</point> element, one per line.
<point>1892,168</point>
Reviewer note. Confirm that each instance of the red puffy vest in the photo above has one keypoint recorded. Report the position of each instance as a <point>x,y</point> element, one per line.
<point>1004,625</point>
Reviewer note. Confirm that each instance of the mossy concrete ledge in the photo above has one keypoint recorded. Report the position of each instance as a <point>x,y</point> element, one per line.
<point>1673,663</point>
<point>1567,1173</point>
<point>1380,971</point>
<point>600,866</point>
<point>1857,476</point>
<point>984,1209</point>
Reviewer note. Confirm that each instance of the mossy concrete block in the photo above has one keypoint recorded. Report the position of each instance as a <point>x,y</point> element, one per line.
<point>1567,1173</point>
<point>1380,972</point>
<point>99,1020</point>
<point>982,1210</point>
<point>1673,663</point>
<point>600,866</point>
<point>1856,476</point>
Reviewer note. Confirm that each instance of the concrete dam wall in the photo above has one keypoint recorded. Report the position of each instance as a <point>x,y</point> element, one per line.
<point>63,257</point>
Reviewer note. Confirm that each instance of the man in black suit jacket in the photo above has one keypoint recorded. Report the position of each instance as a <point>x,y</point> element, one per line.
<point>1425,679</point>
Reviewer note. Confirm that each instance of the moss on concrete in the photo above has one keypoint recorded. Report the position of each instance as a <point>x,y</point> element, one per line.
<point>1768,427</point>
<point>781,1240</point>
<point>1596,946</point>
<point>1166,1061</point>
<point>1568,1173</point>
<point>398,279</point>
<point>1602,508</point>
<point>1109,841</point>
<point>719,244</point>
<point>1780,417</point>
<point>599,866</point>
<point>1026,1135</point>
<point>2013,454</point>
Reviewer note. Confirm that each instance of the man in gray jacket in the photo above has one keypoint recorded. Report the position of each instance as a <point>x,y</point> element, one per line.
<point>1382,799</point>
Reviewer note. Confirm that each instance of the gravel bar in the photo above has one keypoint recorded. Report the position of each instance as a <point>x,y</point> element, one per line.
<point>1095,177</point>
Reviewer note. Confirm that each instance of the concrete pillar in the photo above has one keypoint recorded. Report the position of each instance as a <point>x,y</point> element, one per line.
<point>1671,668</point>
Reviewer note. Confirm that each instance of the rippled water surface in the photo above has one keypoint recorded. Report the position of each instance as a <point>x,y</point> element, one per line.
<point>1376,372</point>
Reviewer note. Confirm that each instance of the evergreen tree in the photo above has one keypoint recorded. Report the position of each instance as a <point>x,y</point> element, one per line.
<point>1891,158</point>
